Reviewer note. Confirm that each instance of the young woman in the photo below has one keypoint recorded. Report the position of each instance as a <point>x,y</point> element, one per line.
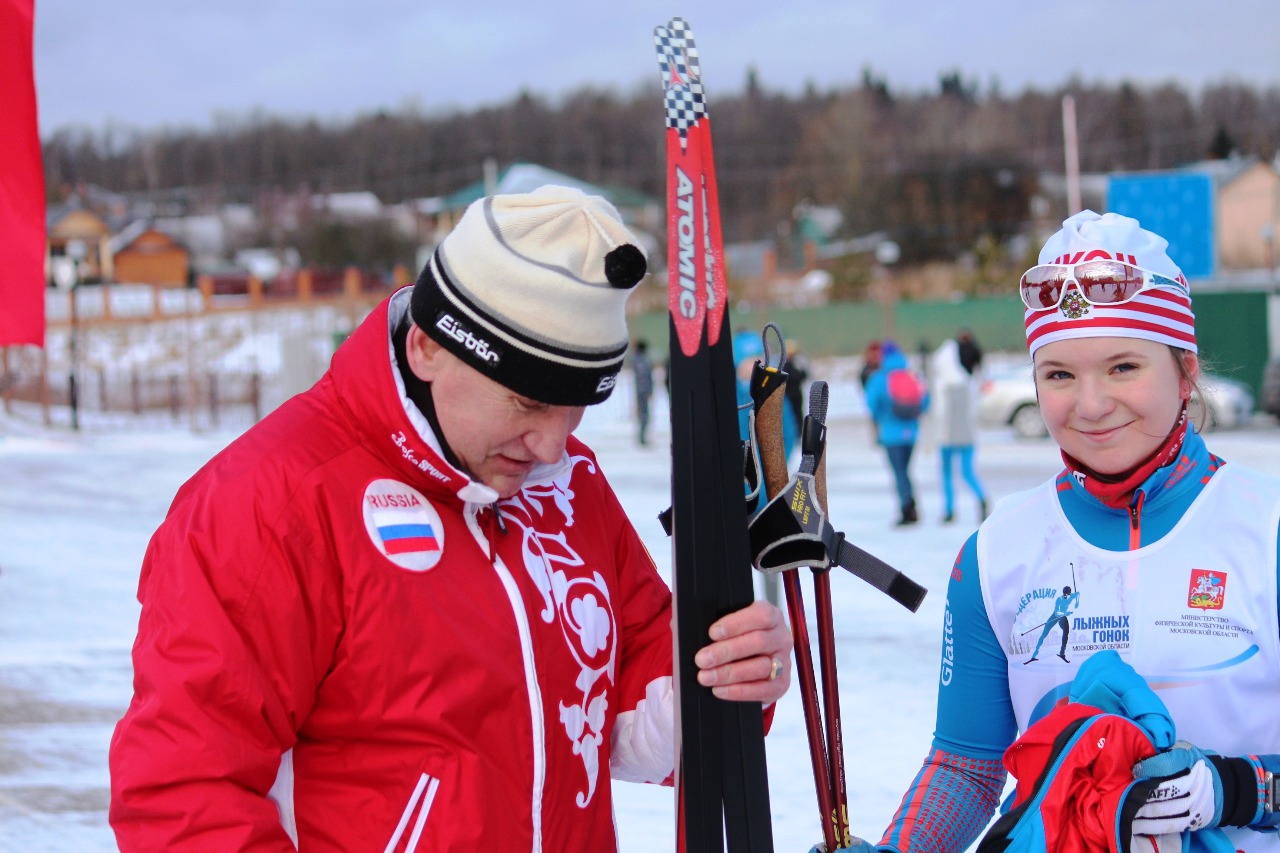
<point>956,415</point>
<point>1169,552</point>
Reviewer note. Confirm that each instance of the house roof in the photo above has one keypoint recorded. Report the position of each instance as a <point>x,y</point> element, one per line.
<point>360,204</point>
<point>74,221</point>
<point>1221,172</point>
<point>131,232</point>
<point>1224,171</point>
<point>526,177</point>
<point>137,229</point>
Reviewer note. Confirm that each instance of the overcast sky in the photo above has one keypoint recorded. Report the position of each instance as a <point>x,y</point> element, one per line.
<point>150,63</point>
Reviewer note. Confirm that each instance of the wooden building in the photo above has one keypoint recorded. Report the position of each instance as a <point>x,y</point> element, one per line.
<point>78,246</point>
<point>151,257</point>
<point>1247,215</point>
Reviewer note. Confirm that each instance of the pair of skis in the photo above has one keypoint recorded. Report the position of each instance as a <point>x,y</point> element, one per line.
<point>722,781</point>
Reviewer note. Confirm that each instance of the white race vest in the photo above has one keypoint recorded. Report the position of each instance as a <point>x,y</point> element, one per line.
<point>1194,613</point>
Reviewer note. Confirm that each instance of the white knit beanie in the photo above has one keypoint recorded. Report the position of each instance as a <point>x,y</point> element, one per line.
<point>531,289</point>
<point>1162,314</point>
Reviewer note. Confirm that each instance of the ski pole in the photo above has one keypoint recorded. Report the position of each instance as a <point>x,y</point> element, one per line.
<point>767,384</point>
<point>839,815</point>
<point>814,447</point>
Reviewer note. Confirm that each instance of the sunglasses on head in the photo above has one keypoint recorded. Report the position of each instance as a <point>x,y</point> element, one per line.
<point>1101,282</point>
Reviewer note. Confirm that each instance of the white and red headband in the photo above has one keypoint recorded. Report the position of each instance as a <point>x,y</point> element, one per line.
<point>1161,314</point>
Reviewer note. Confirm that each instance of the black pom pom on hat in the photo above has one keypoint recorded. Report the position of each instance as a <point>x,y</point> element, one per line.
<point>625,266</point>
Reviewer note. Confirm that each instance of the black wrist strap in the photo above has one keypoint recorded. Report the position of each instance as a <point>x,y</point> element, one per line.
<point>1239,790</point>
<point>792,532</point>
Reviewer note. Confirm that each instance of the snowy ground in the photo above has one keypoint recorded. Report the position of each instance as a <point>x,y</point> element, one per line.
<point>76,511</point>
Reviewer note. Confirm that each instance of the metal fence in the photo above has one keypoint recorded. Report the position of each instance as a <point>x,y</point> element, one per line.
<point>177,355</point>
<point>216,360</point>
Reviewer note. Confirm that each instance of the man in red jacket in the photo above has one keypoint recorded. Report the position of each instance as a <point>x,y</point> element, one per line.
<point>406,611</point>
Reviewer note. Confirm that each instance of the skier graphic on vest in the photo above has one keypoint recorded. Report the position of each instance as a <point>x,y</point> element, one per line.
<point>1063,607</point>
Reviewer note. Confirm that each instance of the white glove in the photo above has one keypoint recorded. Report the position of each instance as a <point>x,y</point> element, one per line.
<point>1185,800</point>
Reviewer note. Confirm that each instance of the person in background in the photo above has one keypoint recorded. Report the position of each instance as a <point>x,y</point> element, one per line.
<point>970,352</point>
<point>871,357</point>
<point>956,415</point>
<point>406,610</point>
<point>897,422</point>
<point>642,376</point>
<point>797,368</point>
<point>923,351</point>
<point>1169,552</point>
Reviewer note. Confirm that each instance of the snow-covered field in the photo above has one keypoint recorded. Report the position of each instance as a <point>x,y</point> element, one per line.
<point>76,511</point>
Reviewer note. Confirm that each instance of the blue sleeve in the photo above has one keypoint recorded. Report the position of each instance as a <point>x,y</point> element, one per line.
<point>947,806</point>
<point>958,787</point>
<point>975,712</point>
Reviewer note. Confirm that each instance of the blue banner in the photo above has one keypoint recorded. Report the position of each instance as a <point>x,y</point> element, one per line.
<point>1176,205</point>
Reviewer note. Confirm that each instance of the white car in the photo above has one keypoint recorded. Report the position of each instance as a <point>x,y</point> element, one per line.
<point>1008,398</point>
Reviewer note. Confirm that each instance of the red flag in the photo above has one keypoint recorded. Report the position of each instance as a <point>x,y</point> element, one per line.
<point>22,226</point>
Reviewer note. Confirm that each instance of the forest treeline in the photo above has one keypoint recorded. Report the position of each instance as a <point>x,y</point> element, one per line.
<point>938,170</point>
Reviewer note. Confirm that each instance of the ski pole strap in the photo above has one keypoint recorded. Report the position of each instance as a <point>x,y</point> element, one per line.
<point>813,433</point>
<point>752,468</point>
<point>879,574</point>
<point>793,531</point>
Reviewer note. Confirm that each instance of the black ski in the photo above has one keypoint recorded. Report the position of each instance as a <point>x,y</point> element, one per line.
<point>722,784</point>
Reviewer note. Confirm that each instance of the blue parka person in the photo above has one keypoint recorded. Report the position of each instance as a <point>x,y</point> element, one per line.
<point>896,398</point>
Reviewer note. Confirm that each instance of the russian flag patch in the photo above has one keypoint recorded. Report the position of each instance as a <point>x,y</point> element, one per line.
<point>405,538</point>
<point>403,525</point>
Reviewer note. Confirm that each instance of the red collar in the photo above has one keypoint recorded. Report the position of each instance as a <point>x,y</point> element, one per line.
<point>1116,490</point>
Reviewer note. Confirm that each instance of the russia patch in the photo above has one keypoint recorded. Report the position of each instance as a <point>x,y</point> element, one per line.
<point>403,525</point>
<point>1208,589</point>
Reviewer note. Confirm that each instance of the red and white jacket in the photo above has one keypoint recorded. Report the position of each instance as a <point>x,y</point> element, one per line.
<point>342,647</point>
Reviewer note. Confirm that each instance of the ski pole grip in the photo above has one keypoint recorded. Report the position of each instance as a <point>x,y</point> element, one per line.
<point>816,422</point>
<point>767,384</point>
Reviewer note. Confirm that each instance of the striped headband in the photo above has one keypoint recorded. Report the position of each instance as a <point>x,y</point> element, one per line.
<point>1160,314</point>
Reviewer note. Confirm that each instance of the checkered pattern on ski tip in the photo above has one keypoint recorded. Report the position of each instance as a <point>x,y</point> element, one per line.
<point>685,103</point>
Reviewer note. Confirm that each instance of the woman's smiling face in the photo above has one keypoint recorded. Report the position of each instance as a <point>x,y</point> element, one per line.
<point>1111,402</point>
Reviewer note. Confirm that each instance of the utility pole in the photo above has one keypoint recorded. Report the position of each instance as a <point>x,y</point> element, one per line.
<point>1071,149</point>
<point>76,251</point>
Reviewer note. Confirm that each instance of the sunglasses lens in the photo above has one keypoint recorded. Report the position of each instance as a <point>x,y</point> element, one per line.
<point>1042,286</point>
<point>1108,282</point>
